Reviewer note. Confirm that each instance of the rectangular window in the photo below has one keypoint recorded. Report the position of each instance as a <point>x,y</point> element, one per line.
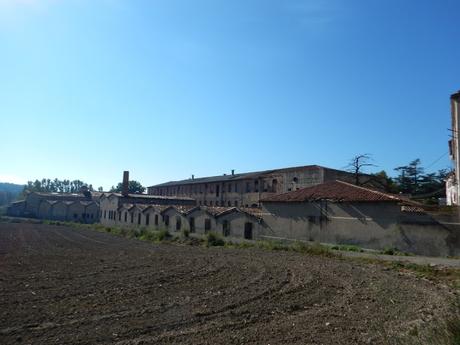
<point>226,228</point>
<point>192,224</point>
<point>166,220</point>
<point>156,219</point>
<point>139,219</point>
<point>147,219</point>
<point>132,217</point>
<point>126,217</point>
<point>207,224</point>
<point>105,214</point>
<point>119,215</point>
<point>178,223</point>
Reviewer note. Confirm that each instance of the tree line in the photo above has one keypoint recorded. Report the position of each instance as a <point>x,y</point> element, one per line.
<point>75,186</point>
<point>57,186</point>
<point>411,179</point>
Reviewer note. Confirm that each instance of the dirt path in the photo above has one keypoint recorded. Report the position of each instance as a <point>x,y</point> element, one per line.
<point>60,285</point>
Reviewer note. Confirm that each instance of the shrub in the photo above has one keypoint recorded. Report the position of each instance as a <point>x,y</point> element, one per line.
<point>271,245</point>
<point>214,239</point>
<point>186,233</point>
<point>162,235</point>
<point>389,251</point>
<point>348,248</point>
<point>315,249</point>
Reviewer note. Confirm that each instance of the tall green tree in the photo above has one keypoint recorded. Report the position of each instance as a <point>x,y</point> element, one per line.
<point>133,187</point>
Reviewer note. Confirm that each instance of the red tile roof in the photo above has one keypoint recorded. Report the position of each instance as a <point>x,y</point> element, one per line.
<point>337,191</point>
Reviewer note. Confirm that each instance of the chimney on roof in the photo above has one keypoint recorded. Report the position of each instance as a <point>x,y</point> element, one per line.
<point>233,172</point>
<point>125,184</point>
<point>193,177</point>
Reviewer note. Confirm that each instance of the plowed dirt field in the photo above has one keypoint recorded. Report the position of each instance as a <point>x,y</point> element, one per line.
<point>63,285</point>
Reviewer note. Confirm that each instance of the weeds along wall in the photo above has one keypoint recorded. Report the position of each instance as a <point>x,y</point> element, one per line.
<point>369,225</point>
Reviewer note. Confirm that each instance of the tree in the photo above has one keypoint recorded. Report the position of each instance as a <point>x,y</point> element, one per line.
<point>386,183</point>
<point>56,186</point>
<point>133,187</point>
<point>100,189</point>
<point>357,165</point>
<point>410,177</point>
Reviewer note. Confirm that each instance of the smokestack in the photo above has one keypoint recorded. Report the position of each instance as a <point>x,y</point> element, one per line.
<point>233,172</point>
<point>124,187</point>
<point>193,177</point>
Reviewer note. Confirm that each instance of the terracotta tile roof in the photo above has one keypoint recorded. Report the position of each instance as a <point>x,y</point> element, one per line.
<point>253,211</point>
<point>337,191</point>
<point>215,210</point>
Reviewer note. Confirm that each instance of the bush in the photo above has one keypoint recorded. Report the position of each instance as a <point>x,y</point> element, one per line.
<point>348,248</point>
<point>315,249</point>
<point>272,245</point>
<point>214,239</point>
<point>185,233</point>
<point>389,251</point>
<point>162,235</point>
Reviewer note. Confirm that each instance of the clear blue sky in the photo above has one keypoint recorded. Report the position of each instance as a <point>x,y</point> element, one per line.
<point>166,89</point>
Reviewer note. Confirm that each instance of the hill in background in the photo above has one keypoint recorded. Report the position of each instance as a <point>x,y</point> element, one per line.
<point>9,192</point>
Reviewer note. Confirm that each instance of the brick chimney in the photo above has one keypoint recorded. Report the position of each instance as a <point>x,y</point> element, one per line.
<point>125,185</point>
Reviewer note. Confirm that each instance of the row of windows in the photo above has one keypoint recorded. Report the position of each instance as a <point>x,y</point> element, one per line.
<point>178,223</point>
<point>216,188</point>
<point>84,215</point>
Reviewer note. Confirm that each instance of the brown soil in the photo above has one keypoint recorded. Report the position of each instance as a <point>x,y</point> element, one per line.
<point>60,285</point>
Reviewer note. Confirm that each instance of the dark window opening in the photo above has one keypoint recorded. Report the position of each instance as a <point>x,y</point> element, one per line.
<point>256,186</point>
<point>76,215</point>
<point>147,219</point>
<point>207,225</point>
<point>178,223</point>
<point>166,220</point>
<point>248,231</point>
<point>229,203</point>
<point>192,224</point>
<point>105,214</point>
<point>295,180</point>
<point>139,219</point>
<point>156,219</point>
<point>119,216</point>
<point>226,228</point>
<point>132,217</point>
<point>126,217</point>
<point>229,187</point>
<point>275,185</point>
<point>236,203</point>
<point>217,190</point>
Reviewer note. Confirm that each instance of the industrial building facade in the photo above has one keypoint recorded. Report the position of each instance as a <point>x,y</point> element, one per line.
<point>247,189</point>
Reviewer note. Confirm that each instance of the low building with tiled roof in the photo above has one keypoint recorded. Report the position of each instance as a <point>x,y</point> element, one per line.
<point>342,213</point>
<point>338,191</point>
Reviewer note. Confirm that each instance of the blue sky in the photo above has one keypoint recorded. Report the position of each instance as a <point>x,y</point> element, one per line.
<point>166,89</point>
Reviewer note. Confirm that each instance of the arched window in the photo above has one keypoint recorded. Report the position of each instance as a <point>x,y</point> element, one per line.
<point>275,185</point>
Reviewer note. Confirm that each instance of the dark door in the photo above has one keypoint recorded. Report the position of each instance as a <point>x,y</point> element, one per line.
<point>192,224</point>
<point>248,231</point>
